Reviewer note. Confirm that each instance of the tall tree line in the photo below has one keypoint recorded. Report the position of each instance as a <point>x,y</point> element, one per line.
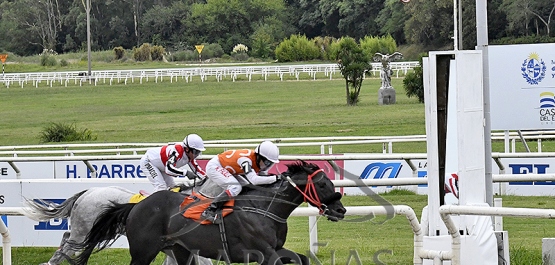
<point>29,26</point>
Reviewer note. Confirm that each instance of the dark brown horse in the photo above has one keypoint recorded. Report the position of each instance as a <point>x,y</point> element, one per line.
<point>254,232</point>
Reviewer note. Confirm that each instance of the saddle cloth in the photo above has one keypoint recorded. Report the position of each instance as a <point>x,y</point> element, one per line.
<point>136,198</point>
<point>193,206</point>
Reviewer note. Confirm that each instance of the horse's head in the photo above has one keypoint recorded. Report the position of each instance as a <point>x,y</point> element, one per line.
<point>316,188</point>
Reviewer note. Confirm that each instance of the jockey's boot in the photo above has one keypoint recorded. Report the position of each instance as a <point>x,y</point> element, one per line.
<point>210,213</point>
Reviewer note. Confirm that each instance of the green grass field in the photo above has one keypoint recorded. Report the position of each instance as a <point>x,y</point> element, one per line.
<point>162,112</point>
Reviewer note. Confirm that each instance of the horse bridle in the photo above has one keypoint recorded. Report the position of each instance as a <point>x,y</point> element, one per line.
<point>309,193</point>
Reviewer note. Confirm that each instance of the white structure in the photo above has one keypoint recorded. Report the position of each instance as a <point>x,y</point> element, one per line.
<point>454,126</point>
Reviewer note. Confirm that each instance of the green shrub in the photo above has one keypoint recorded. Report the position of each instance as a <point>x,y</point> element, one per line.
<point>297,48</point>
<point>48,58</point>
<point>119,53</point>
<point>226,57</point>
<point>324,45</point>
<point>212,50</point>
<point>142,53</point>
<point>64,63</point>
<point>182,56</point>
<point>61,132</point>
<point>157,53</point>
<point>414,82</point>
<point>261,45</point>
<point>383,45</point>
<point>240,56</point>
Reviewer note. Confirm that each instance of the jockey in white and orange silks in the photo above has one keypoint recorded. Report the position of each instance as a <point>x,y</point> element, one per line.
<point>162,164</point>
<point>253,164</point>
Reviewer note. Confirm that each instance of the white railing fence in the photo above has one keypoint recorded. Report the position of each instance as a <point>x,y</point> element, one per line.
<point>188,74</point>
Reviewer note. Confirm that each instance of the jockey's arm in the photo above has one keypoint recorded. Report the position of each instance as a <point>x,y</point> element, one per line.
<point>171,169</point>
<point>254,178</point>
<point>197,170</point>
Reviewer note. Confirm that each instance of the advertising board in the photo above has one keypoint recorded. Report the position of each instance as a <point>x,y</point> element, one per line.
<point>522,86</point>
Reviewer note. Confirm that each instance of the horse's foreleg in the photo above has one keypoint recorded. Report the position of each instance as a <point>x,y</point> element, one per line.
<point>287,257</point>
<point>272,257</point>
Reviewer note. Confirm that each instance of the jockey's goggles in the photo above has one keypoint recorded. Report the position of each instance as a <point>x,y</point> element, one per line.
<point>195,152</point>
<point>267,163</point>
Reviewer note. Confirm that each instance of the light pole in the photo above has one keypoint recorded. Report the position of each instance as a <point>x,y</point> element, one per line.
<point>88,10</point>
<point>455,26</point>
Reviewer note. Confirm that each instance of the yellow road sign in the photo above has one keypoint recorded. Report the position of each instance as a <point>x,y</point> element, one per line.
<point>3,57</point>
<point>199,48</point>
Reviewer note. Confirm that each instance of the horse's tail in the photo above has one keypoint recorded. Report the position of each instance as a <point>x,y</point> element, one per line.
<point>108,226</point>
<point>41,210</point>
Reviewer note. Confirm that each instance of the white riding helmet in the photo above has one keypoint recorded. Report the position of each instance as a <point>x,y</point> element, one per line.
<point>268,150</point>
<point>194,141</point>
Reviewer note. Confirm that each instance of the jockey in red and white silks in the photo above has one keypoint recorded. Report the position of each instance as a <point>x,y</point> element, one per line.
<point>162,164</point>
<point>253,164</point>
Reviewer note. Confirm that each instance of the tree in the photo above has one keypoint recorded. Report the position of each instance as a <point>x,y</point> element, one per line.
<point>39,21</point>
<point>357,17</point>
<point>530,16</point>
<point>229,22</point>
<point>414,82</point>
<point>353,62</point>
<point>164,23</point>
<point>391,20</point>
<point>430,23</point>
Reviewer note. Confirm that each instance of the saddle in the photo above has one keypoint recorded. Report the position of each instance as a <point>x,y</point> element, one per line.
<point>194,204</point>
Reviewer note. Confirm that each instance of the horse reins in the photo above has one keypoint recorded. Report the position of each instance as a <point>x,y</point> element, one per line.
<point>310,194</point>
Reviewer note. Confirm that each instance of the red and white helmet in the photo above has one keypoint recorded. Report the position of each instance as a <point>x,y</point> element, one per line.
<point>268,150</point>
<point>194,141</point>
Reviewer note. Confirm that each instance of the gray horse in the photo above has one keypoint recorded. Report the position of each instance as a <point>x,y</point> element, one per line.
<point>82,209</point>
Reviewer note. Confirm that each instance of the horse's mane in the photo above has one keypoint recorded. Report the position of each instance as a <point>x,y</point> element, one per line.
<point>300,166</point>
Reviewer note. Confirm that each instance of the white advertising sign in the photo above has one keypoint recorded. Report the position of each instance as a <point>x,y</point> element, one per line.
<point>375,169</point>
<point>522,86</point>
<point>25,232</point>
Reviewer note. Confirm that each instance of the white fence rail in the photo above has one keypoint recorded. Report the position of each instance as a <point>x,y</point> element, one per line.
<point>188,74</point>
<point>387,143</point>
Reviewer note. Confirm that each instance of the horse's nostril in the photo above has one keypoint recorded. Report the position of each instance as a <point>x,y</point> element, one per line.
<point>342,210</point>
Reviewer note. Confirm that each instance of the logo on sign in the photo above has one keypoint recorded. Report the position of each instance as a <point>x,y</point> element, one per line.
<point>379,170</point>
<point>547,107</point>
<point>53,224</point>
<point>533,69</point>
<point>530,169</point>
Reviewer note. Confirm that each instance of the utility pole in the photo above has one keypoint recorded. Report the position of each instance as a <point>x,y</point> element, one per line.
<point>88,10</point>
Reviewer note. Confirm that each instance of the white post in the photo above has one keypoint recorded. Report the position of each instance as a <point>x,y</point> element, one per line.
<point>313,232</point>
<point>498,220</point>
<point>6,244</point>
<point>455,27</point>
<point>482,43</point>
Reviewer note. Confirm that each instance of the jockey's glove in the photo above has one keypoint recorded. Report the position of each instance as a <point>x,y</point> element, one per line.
<point>201,181</point>
<point>191,175</point>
